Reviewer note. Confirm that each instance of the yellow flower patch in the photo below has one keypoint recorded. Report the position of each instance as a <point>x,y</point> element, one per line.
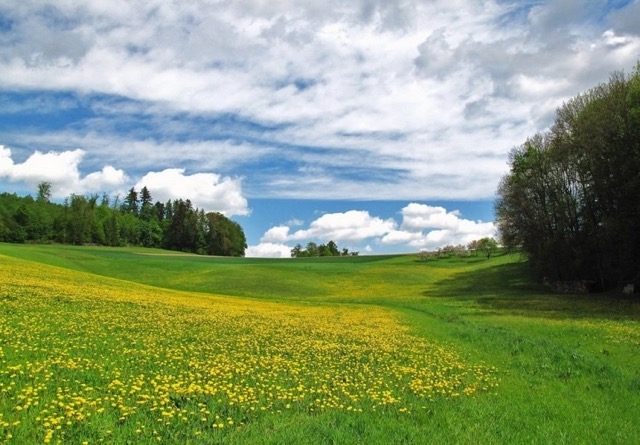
<point>80,352</point>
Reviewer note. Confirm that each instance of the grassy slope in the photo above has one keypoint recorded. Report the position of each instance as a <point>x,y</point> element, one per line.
<point>569,365</point>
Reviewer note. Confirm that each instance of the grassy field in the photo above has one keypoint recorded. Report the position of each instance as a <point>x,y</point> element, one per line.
<point>104,345</point>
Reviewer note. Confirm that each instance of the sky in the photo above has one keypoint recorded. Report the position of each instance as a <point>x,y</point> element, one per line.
<point>383,125</point>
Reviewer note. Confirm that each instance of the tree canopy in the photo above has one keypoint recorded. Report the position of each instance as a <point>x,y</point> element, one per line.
<point>312,250</point>
<point>173,225</point>
<point>570,199</point>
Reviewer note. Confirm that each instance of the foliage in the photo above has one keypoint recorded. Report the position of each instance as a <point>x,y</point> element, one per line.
<point>314,250</point>
<point>487,246</point>
<point>223,236</point>
<point>570,198</point>
<point>173,225</point>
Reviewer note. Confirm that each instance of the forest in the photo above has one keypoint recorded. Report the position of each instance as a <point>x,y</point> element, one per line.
<point>136,221</point>
<point>571,198</point>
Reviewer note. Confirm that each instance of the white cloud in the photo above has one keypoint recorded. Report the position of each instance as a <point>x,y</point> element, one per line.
<point>208,191</point>
<point>401,237</point>
<point>268,250</point>
<point>422,89</point>
<point>144,153</point>
<point>423,227</point>
<point>429,227</point>
<point>416,217</point>
<point>51,166</point>
<point>109,177</point>
<point>61,169</point>
<point>353,225</point>
<point>611,39</point>
<point>275,235</point>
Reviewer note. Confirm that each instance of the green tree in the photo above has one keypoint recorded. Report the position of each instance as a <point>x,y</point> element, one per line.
<point>175,225</point>
<point>297,251</point>
<point>112,230</point>
<point>570,198</point>
<point>224,236</point>
<point>79,220</point>
<point>23,218</point>
<point>130,204</point>
<point>487,246</point>
<point>129,229</point>
<point>312,249</point>
<point>44,192</point>
<point>145,197</point>
<point>332,248</point>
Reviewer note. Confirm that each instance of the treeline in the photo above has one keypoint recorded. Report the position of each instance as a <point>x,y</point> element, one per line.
<point>571,200</point>
<point>313,250</point>
<point>101,220</point>
<point>487,246</point>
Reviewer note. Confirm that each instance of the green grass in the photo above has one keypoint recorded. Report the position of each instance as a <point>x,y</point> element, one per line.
<point>568,365</point>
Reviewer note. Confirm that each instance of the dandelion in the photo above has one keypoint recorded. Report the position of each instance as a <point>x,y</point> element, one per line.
<point>103,352</point>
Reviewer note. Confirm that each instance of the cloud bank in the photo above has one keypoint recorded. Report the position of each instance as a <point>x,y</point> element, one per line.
<point>367,99</point>
<point>223,102</point>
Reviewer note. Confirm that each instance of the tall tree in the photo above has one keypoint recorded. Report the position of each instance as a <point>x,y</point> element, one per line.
<point>130,204</point>
<point>297,251</point>
<point>570,198</point>
<point>145,197</point>
<point>79,220</point>
<point>224,236</point>
<point>332,248</point>
<point>44,192</point>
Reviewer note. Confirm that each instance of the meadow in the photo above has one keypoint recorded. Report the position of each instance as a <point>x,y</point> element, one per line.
<point>128,345</point>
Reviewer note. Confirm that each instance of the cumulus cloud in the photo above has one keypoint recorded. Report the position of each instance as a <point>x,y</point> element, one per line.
<point>422,227</point>
<point>429,227</point>
<point>276,235</point>
<point>208,191</point>
<point>61,169</point>
<point>353,225</point>
<point>109,178</point>
<point>416,217</point>
<point>268,250</point>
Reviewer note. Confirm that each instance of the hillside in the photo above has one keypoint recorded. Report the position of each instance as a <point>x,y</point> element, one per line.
<point>116,345</point>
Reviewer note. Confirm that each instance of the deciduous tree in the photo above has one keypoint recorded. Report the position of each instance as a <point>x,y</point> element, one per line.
<point>570,198</point>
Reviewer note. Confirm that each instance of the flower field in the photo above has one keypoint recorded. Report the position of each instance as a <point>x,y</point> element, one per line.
<point>88,359</point>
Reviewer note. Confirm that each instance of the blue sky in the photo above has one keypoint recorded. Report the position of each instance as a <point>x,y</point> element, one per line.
<point>383,125</point>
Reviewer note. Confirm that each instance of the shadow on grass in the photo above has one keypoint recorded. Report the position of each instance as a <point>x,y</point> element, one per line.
<point>454,260</point>
<point>510,289</point>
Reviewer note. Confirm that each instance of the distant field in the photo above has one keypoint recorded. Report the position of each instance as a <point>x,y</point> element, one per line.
<point>106,345</point>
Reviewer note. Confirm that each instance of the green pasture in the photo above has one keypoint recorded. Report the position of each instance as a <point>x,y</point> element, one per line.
<point>568,366</point>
